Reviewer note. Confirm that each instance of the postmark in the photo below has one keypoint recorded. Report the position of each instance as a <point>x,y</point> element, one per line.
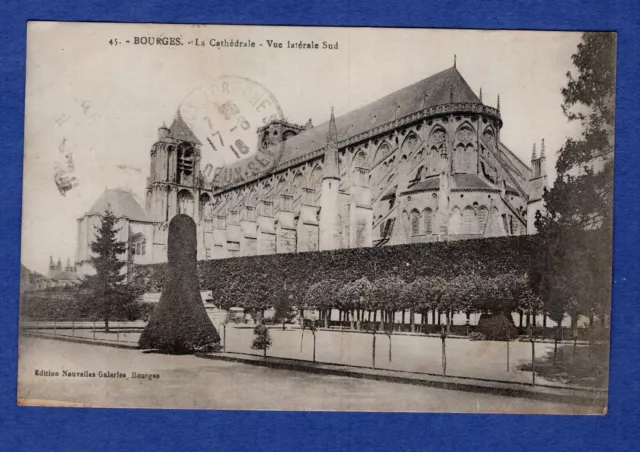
<point>225,116</point>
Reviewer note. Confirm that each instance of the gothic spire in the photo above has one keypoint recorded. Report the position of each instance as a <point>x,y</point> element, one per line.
<point>498,102</point>
<point>455,57</point>
<point>481,94</point>
<point>542,149</point>
<point>533,153</point>
<point>331,151</point>
<point>51,264</point>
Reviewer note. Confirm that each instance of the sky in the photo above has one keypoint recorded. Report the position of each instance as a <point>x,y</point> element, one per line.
<point>100,105</point>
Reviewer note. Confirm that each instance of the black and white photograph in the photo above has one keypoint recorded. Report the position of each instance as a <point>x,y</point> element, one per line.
<point>317,218</point>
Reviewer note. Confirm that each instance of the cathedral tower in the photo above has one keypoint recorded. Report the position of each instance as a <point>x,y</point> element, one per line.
<point>174,172</point>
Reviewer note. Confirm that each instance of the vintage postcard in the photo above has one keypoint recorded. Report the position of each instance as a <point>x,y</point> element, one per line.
<point>289,218</point>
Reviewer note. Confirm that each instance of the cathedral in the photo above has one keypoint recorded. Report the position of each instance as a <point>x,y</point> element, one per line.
<point>422,164</point>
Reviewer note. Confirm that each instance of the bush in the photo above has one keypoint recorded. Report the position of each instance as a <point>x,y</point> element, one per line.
<point>486,258</point>
<point>497,327</point>
<point>262,341</point>
<point>180,324</point>
<point>475,336</point>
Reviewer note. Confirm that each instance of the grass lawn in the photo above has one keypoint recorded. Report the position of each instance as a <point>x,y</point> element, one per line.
<point>584,366</point>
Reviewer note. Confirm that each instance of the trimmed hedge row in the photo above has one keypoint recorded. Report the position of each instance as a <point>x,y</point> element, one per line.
<point>486,257</point>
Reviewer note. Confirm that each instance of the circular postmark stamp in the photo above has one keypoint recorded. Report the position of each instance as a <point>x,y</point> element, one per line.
<point>227,117</point>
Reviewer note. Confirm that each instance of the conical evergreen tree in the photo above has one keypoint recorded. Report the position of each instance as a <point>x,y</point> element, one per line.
<point>109,295</point>
<point>180,324</point>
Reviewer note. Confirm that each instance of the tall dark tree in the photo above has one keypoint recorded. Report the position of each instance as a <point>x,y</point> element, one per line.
<point>572,272</point>
<point>110,296</point>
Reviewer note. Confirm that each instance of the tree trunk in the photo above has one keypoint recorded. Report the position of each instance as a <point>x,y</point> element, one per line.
<point>444,356</point>
<point>555,343</point>
<point>533,359</point>
<point>433,317</point>
<point>403,311</point>
<point>574,330</point>
<point>351,319</point>
<point>412,320</point>
<point>373,352</point>
<point>314,346</point>
<point>390,348</point>
<point>521,319</point>
<point>106,325</point>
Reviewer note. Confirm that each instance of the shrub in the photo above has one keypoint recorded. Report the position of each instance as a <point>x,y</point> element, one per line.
<point>497,327</point>
<point>476,336</point>
<point>262,341</point>
<point>179,323</point>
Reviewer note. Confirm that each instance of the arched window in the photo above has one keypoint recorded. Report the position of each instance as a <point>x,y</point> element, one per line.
<point>383,152</point>
<point>455,221</point>
<point>316,179</point>
<point>186,163</point>
<point>469,221</point>
<point>415,222</point>
<point>438,141</point>
<point>483,215</point>
<point>428,221</point>
<point>205,207</point>
<point>138,244</point>
<point>360,160</point>
<point>297,186</point>
<point>185,202</point>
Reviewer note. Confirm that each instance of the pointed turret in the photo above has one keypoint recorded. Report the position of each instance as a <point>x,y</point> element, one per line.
<point>455,57</point>
<point>533,153</point>
<point>330,199</point>
<point>498,107</point>
<point>59,264</point>
<point>480,94</point>
<point>331,170</point>
<point>542,150</point>
<point>163,132</point>
<point>51,264</point>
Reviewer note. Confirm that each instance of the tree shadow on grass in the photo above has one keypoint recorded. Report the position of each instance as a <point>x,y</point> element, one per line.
<point>209,349</point>
<point>582,366</point>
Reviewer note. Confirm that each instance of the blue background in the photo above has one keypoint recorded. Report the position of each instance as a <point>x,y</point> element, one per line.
<point>169,430</point>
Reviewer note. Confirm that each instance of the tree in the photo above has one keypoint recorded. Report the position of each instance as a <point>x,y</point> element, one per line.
<point>386,295</point>
<point>322,296</point>
<point>283,304</point>
<point>461,294</point>
<point>109,295</point>
<point>354,295</point>
<point>425,293</point>
<point>262,339</point>
<point>179,324</point>
<point>574,268</point>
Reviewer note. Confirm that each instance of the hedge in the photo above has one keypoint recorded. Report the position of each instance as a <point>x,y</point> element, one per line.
<point>486,257</point>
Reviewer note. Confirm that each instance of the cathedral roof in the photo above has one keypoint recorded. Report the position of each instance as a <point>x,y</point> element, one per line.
<point>470,182</point>
<point>121,202</point>
<point>432,91</point>
<point>181,131</point>
<point>427,184</point>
